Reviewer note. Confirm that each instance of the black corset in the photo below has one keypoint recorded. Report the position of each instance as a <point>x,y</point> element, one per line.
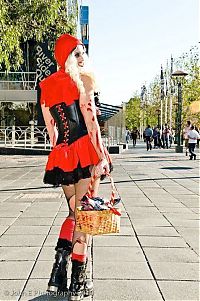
<point>70,122</point>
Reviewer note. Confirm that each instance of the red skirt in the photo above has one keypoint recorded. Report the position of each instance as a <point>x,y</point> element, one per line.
<point>67,164</point>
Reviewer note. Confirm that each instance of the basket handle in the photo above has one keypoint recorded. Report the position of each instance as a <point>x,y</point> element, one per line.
<point>90,188</point>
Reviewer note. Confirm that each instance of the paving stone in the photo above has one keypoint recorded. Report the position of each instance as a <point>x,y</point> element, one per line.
<point>34,221</point>
<point>3,229</point>
<point>15,269</point>
<point>153,241</point>
<point>27,230</point>
<point>175,271</point>
<point>11,289</point>
<point>58,221</point>
<point>6,221</point>
<point>160,204</point>
<point>144,215</point>
<point>116,270</point>
<point>51,241</point>
<point>171,255</point>
<point>131,290</point>
<point>36,290</point>
<point>115,241</point>
<point>150,222</point>
<point>181,215</point>
<point>107,254</point>
<point>194,203</point>
<point>47,254</point>
<point>19,253</point>
<point>184,223</point>
<point>156,231</point>
<point>137,209</point>
<point>175,210</point>
<point>137,202</point>
<point>22,240</point>
<point>179,290</point>
<point>42,269</point>
<point>39,214</point>
<point>55,230</point>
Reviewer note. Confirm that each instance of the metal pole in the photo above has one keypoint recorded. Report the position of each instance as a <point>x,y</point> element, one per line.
<point>161,98</point>
<point>179,147</point>
<point>170,96</point>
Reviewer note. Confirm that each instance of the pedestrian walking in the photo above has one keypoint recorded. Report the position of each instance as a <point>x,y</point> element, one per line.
<point>166,136</point>
<point>148,137</point>
<point>193,136</point>
<point>185,136</point>
<point>127,135</point>
<point>134,136</point>
<point>67,101</point>
<point>156,137</point>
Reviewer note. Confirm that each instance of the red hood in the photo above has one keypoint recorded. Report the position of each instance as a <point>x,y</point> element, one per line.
<point>63,47</point>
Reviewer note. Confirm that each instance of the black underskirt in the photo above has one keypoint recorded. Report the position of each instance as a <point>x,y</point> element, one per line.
<point>58,177</point>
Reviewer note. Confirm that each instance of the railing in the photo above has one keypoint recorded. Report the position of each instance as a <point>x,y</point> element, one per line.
<point>34,137</point>
<point>18,80</point>
<point>24,137</point>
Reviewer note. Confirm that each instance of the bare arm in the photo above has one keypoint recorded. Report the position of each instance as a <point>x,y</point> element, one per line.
<point>88,109</point>
<point>50,124</point>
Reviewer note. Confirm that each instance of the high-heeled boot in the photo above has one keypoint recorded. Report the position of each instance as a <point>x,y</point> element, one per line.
<point>88,287</point>
<point>79,287</point>
<point>58,279</point>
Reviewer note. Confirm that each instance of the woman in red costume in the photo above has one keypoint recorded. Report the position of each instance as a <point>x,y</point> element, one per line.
<point>67,101</point>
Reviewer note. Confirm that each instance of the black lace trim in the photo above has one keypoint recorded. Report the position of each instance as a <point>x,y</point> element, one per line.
<point>59,177</point>
<point>64,244</point>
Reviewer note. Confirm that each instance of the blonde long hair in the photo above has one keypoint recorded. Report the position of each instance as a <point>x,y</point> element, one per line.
<point>71,67</point>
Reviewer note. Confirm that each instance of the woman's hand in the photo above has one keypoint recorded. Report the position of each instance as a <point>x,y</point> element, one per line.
<point>101,168</point>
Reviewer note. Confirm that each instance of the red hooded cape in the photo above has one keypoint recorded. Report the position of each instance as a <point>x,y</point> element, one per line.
<point>59,87</point>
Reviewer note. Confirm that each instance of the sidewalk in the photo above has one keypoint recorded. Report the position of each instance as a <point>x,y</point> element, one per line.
<point>154,257</point>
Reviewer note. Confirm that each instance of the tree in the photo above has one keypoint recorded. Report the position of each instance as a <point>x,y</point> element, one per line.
<point>133,112</point>
<point>21,21</point>
<point>189,62</point>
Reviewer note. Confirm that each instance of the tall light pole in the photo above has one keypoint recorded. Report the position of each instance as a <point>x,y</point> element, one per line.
<point>142,106</point>
<point>162,95</point>
<point>171,94</point>
<point>179,75</point>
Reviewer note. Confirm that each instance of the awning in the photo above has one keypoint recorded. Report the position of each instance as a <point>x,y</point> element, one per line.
<point>107,111</point>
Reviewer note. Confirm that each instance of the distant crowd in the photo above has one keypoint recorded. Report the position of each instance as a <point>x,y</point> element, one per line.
<point>164,138</point>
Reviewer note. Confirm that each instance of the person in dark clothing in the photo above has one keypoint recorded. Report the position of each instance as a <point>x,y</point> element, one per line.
<point>148,136</point>
<point>134,135</point>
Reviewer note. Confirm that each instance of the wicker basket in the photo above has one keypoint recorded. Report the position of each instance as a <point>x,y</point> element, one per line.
<point>97,222</point>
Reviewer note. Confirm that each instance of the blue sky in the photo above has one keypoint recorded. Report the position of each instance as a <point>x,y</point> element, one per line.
<point>130,39</point>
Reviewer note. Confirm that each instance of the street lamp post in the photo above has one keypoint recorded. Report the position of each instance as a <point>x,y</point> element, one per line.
<point>158,113</point>
<point>178,75</point>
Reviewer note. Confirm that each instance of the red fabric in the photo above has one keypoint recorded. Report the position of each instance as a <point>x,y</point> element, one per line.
<point>81,258</point>
<point>67,157</point>
<point>67,229</point>
<point>63,47</point>
<point>58,87</point>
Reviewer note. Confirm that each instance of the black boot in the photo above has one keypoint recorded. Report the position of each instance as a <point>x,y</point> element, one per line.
<point>88,286</point>
<point>79,287</point>
<point>58,279</point>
